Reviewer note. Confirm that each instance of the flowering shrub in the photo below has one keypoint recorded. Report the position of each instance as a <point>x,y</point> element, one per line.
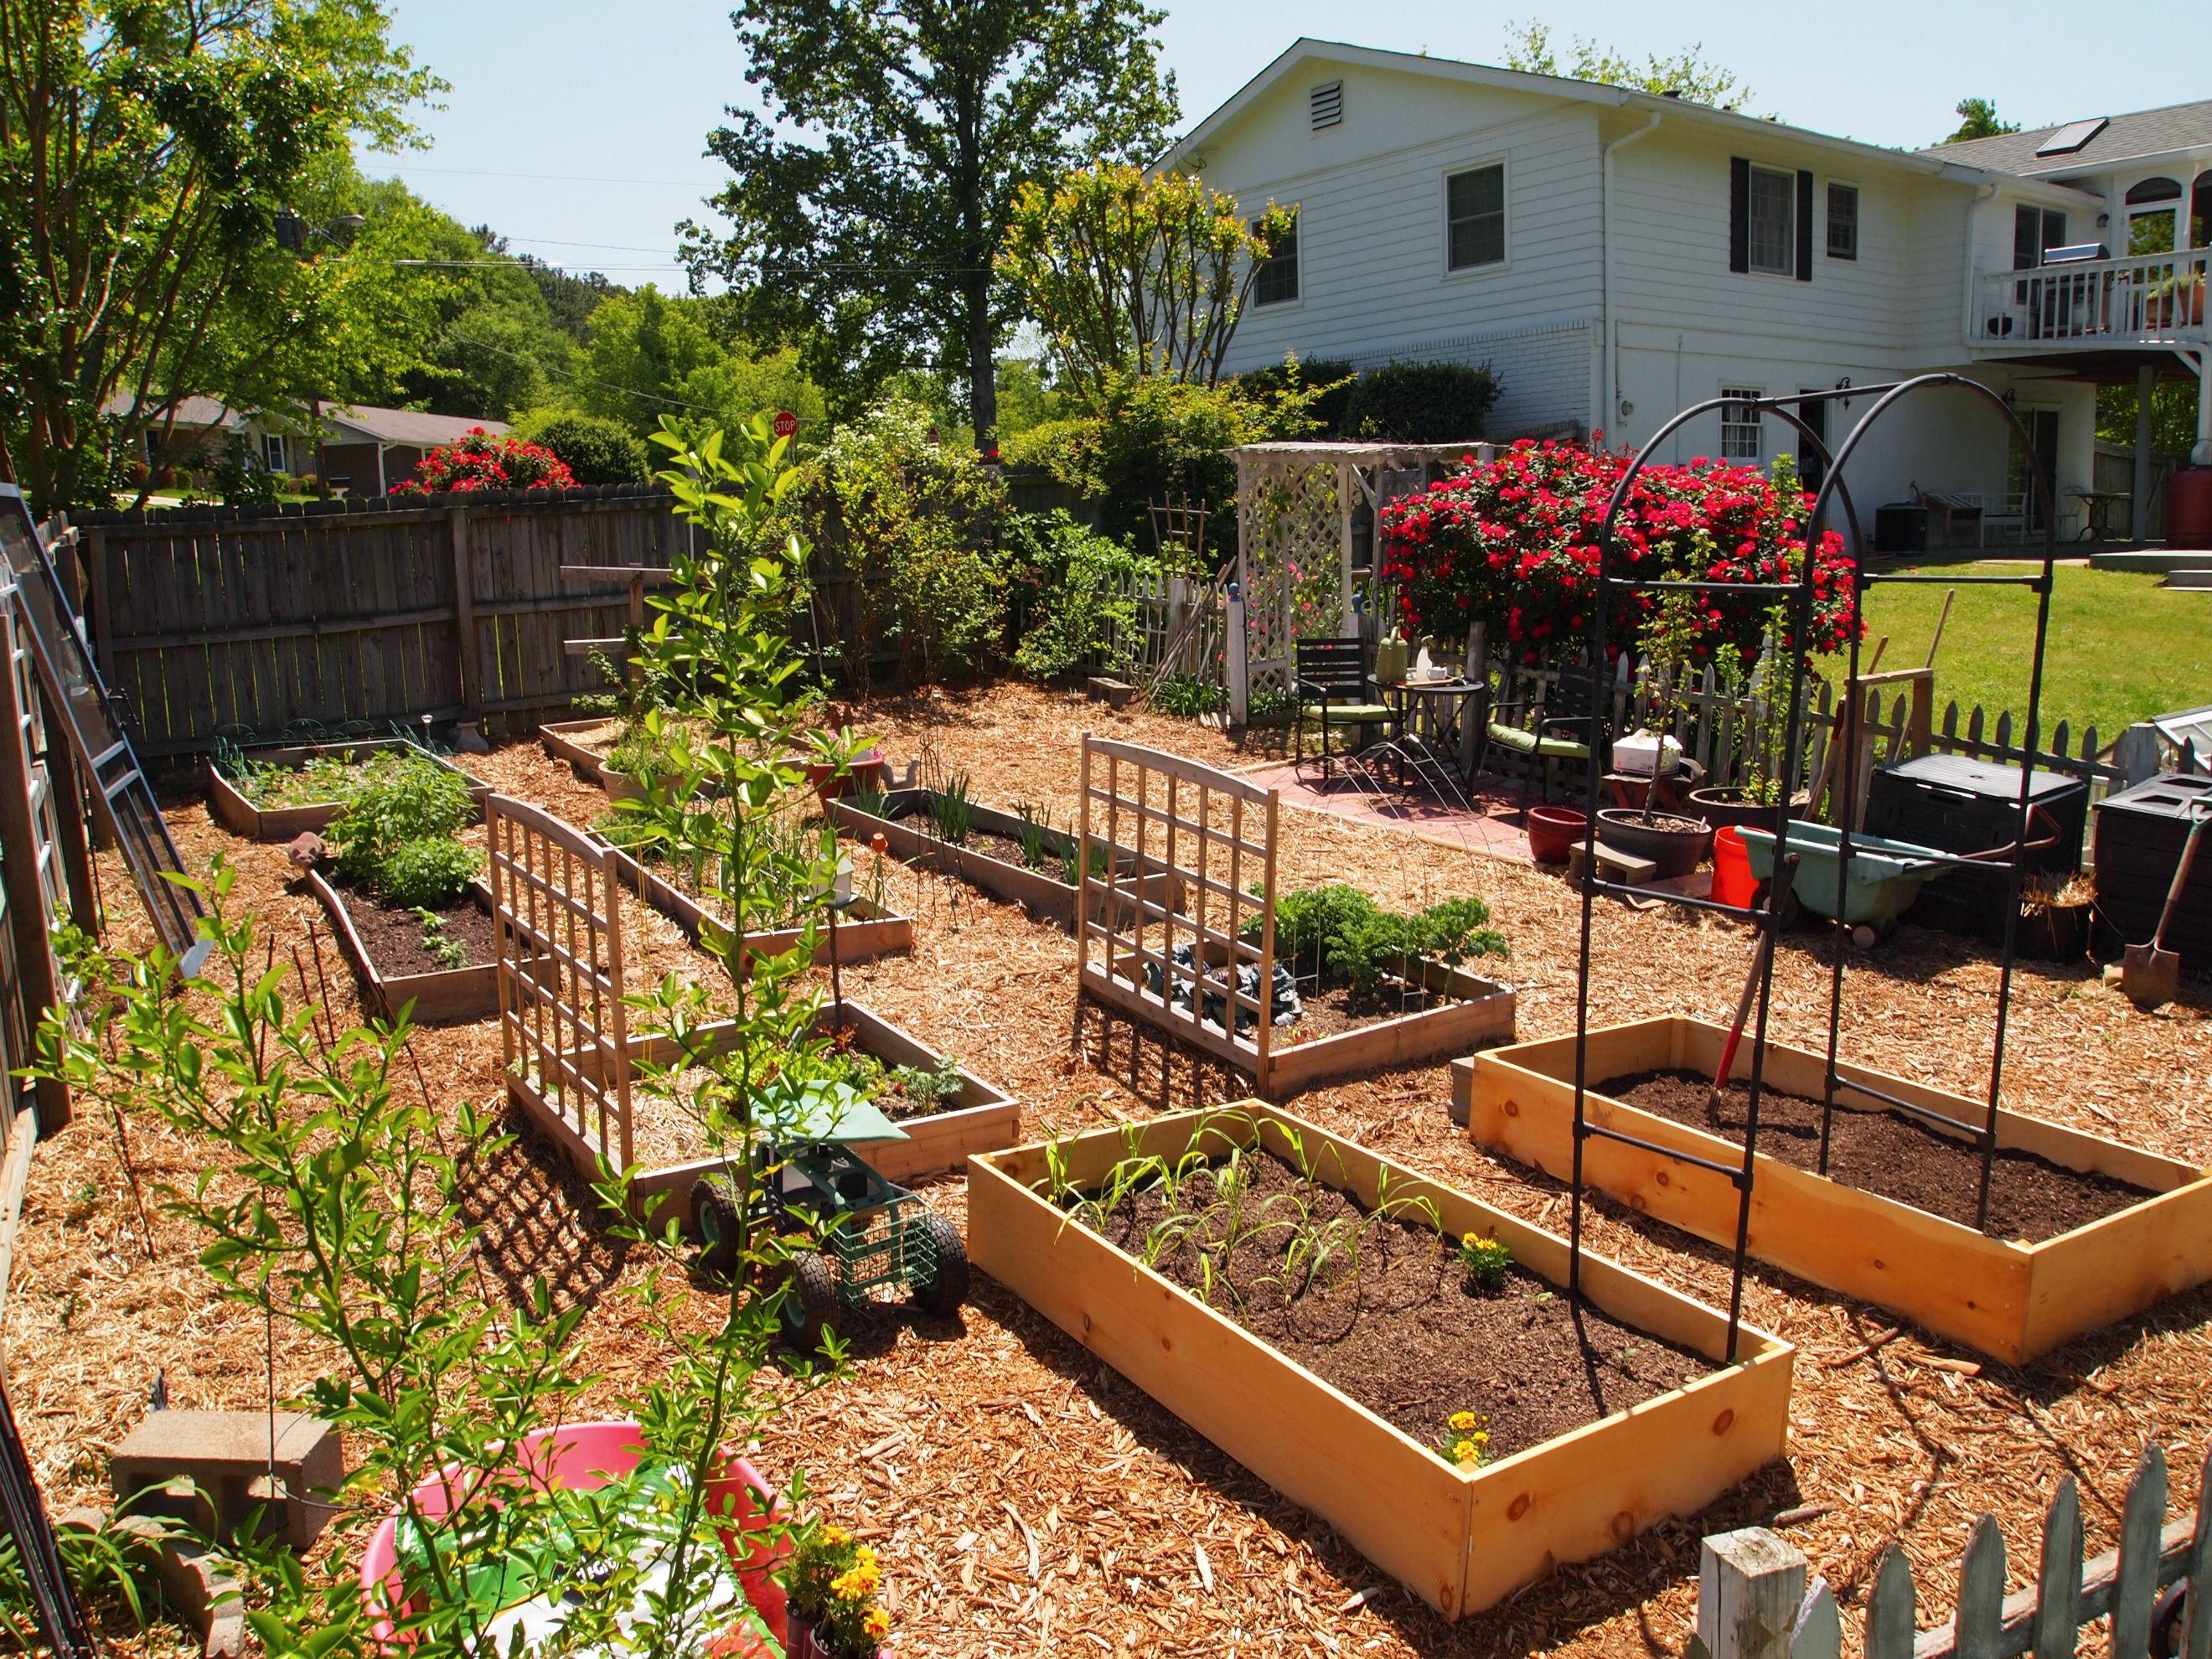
<point>1513,542</point>
<point>478,460</point>
<point>832,1580</point>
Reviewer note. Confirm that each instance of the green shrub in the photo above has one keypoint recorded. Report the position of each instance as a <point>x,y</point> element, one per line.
<point>1419,404</point>
<point>1188,696</point>
<point>427,872</point>
<point>904,531</point>
<point>598,451</point>
<point>1340,929</point>
<point>1076,590</point>
<point>1329,380</point>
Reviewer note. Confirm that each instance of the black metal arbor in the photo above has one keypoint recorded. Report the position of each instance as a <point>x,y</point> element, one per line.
<point>1769,918</point>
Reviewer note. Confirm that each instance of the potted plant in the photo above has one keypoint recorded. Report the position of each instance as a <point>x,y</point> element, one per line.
<point>1676,844</point>
<point>830,1582</point>
<point>1763,738</point>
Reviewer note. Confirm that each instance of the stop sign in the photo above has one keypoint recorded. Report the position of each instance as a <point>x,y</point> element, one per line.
<point>787,423</point>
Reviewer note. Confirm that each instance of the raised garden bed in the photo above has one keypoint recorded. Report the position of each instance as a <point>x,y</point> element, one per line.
<point>384,945</point>
<point>863,932</point>
<point>2106,1229</point>
<point>575,741</point>
<point>1445,1011</point>
<point>992,859</point>
<point>1575,1475</point>
<point>286,821</point>
<point>979,1118</point>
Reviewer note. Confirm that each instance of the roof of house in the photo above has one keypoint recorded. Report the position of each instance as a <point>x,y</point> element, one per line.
<point>2146,132</point>
<point>190,411</point>
<point>1941,162</point>
<point>406,426</point>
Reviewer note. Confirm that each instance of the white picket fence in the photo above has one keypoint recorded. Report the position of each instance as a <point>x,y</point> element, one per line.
<point>1754,1601</point>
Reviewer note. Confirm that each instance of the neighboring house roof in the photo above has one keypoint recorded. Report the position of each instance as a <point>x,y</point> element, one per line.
<point>2142,134</point>
<point>190,411</point>
<point>406,426</point>
<point>1941,162</point>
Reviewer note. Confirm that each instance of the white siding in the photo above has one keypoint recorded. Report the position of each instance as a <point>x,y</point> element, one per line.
<point>1369,193</point>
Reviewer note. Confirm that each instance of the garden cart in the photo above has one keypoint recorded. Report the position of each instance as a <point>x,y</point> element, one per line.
<point>849,1231</point>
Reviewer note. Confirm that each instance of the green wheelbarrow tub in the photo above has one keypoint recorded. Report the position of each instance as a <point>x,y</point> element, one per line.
<point>1883,879</point>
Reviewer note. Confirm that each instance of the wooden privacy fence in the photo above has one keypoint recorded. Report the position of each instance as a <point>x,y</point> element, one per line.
<point>442,606</point>
<point>1754,1601</point>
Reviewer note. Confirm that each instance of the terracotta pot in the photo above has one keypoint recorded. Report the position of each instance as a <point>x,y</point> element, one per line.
<point>1676,845</point>
<point>1730,809</point>
<point>1553,830</point>
<point>868,771</point>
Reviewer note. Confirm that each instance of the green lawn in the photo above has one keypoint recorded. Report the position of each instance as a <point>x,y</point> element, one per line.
<point>2122,647</point>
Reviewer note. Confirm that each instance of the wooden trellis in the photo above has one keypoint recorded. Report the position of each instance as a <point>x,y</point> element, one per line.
<point>556,901</point>
<point>1145,811</point>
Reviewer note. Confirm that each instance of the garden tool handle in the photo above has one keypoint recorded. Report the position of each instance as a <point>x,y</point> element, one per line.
<point>2180,879</point>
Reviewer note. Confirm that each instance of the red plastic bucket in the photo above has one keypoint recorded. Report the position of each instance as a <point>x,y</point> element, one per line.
<point>1732,882</point>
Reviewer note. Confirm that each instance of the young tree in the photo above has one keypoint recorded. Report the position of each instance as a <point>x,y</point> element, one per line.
<point>148,148</point>
<point>1136,275</point>
<point>1528,47</point>
<point>1979,119</point>
<point>869,201</point>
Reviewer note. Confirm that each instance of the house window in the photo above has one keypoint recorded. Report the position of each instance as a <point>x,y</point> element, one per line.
<point>1842,221</point>
<point>2034,232</point>
<point>273,451</point>
<point>1475,214</point>
<point>1773,222</point>
<point>1278,279</point>
<point>1740,423</point>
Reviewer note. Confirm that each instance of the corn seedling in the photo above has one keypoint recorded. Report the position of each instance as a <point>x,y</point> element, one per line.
<point>1031,834</point>
<point>951,814</point>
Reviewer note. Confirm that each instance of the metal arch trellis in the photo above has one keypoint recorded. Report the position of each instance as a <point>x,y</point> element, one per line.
<point>1768,918</point>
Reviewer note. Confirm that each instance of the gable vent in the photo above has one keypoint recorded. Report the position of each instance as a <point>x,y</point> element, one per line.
<point>1327,105</point>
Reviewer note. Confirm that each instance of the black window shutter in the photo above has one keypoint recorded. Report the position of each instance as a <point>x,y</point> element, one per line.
<point>1739,212</point>
<point>1804,225</point>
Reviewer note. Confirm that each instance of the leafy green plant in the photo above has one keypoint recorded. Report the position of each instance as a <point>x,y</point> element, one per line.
<point>1339,929</point>
<point>424,873</point>
<point>397,833</point>
<point>438,944</point>
<point>643,751</point>
<point>1186,697</point>
<point>1032,834</point>
<point>1098,860</point>
<point>1486,1262</point>
<point>926,1089</point>
<point>951,814</point>
<point>1078,590</point>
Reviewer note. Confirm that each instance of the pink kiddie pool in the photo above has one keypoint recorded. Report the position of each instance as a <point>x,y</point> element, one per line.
<point>581,1457</point>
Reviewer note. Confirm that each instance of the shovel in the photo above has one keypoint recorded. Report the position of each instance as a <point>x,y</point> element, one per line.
<point>2149,974</point>
<point>1777,895</point>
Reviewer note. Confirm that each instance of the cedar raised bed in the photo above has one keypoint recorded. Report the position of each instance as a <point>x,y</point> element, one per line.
<point>1461,1539</point>
<point>909,835</point>
<point>983,1118</point>
<point>242,818</point>
<point>863,934</point>
<point>444,996</point>
<point>2009,1298</point>
<point>563,740</point>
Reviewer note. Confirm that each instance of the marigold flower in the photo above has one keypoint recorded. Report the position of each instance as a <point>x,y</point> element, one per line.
<point>1463,1421</point>
<point>878,1624</point>
<point>1465,1451</point>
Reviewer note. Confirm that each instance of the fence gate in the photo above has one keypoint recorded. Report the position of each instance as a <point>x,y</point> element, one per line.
<point>1145,813</point>
<point>556,901</point>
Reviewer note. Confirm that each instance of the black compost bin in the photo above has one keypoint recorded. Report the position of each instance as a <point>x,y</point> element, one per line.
<point>2140,833</point>
<point>1956,805</point>
<point>1900,527</point>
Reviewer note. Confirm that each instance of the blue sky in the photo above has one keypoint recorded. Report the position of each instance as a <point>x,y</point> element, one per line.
<point>606,108</point>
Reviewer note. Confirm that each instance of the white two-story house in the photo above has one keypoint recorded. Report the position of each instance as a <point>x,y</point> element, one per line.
<point>1615,256</point>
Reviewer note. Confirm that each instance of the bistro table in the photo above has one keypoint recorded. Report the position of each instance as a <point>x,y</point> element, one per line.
<point>1421,709</point>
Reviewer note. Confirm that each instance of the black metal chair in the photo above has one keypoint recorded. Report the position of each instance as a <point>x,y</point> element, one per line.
<point>1534,734</point>
<point>1331,689</point>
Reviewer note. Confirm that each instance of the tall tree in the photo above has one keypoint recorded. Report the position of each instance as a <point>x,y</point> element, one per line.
<point>869,199</point>
<point>1979,119</point>
<point>147,146</point>
<point>1528,47</point>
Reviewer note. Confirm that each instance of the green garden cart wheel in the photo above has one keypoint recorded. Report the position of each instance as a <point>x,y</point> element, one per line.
<point>811,1310</point>
<point>947,1287</point>
<point>715,1223</point>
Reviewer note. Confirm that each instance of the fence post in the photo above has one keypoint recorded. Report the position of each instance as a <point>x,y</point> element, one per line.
<point>1750,1585</point>
<point>1234,661</point>
<point>470,669</point>
<point>37,980</point>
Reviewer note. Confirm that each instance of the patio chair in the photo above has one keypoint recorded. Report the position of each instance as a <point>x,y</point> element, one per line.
<point>1331,689</point>
<point>1533,735</point>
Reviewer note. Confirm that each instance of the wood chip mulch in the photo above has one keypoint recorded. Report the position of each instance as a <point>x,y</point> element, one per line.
<point>1026,1499</point>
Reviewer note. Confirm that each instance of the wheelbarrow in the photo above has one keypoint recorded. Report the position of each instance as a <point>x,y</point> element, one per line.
<point>1879,885</point>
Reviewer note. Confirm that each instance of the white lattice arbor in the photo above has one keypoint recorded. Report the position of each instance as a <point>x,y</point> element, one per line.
<point>1295,508</point>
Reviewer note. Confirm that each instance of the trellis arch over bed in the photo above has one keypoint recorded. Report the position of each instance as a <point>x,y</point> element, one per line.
<point>1295,503</point>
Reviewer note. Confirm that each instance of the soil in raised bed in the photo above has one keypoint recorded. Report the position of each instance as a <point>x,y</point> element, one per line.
<point>1884,1151</point>
<point>1332,1008</point>
<point>1397,1329</point>
<point>392,934</point>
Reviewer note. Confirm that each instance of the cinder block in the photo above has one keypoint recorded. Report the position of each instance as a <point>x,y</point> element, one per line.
<point>225,1455</point>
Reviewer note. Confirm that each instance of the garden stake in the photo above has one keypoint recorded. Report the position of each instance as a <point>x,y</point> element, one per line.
<point>1777,893</point>
<point>2150,973</point>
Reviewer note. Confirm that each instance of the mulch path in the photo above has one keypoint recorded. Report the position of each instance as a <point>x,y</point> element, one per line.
<point>1027,1499</point>
<point>1879,1149</point>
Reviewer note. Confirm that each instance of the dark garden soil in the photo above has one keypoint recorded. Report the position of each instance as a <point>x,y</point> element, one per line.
<point>1393,1323</point>
<point>1890,1152</point>
<point>1332,1008</point>
<point>392,934</point>
<point>1008,850</point>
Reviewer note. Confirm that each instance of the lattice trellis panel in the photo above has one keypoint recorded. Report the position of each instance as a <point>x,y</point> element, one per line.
<point>1145,813</point>
<point>556,901</point>
<point>1290,560</point>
